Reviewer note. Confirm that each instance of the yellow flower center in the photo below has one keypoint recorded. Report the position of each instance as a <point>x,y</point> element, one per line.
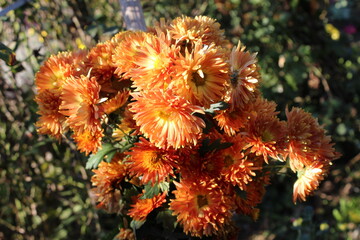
<point>267,136</point>
<point>153,159</point>
<point>164,115</point>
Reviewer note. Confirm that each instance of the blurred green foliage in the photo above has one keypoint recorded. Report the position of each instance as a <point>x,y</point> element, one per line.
<point>309,57</point>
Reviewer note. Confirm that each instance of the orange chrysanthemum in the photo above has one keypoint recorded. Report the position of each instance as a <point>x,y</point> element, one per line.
<point>124,53</point>
<point>142,207</point>
<point>253,196</point>
<point>307,140</point>
<point>150,162</point>
<point>201,75</point>
<point>200,28</point>
<point>57,68</point>
<point>244,78</point>
<point>238,168</point>
<point>201,207</point>
<point>193,164</point>
<point>88,141</point>
<point>106,182</point>
<point>166,119</point>
<point>265,135</point>
<point>153,60</point>
<point>51,121</point>
<point>115,102</point>
<point>99,60</point>
<point>81,103</point>
<point>231,121</point>
<point>125,234</point>
<point>309,179</point>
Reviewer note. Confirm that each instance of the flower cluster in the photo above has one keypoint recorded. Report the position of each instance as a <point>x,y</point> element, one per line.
<point>190,130</point>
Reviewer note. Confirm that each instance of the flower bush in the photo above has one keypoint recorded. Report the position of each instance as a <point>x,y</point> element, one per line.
<point>174,121</point>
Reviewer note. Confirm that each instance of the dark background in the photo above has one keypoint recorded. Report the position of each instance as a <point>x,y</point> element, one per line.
<point>309,53</point>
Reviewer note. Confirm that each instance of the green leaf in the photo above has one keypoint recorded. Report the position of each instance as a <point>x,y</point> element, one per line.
<point>337,215</point>
<point>95,159</point>
<point>65,214</point>
<point>290,79</point>
<point>164,186</point>
<point>167,220</point>
<point>150,191</point>
<point>7,55</point>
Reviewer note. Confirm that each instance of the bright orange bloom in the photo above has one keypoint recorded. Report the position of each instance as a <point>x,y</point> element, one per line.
<point>238,168</point>
<point>150,162</point>
<point>153,60</point>
<point>115,102</point>
<point>124,53</point>
<point>120,36</point>
<point>200,28</point>
<point>265,135</point>
<point>88,141</point>
<point>142,207</point>
<point>57,68</point>
<point>309,179</point>
<point>201,75</point>
<point>244,77</point>
<point>81,103</point>
<point>307,140</point>
<point>201,207</point>
<point>106,182</point>
<point>231,121</point>
<point>166,119</point>
<point>51,121</point>
<point>99,59</point>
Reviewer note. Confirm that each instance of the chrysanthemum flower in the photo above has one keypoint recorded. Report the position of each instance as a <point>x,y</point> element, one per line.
<point>307,140</point>
<point>200,28</point>
<point>166,119</point>
<point>201,207</point>
<point>253,196</point>
<point>231,121</point>
<point>201,75</point>
<point>119,37</point>
<point>153,60</point>
<point>125,234</point>
<point>238,168</point>
<point>265,135</point>
<point>244,78</point>
<point>115,102</point>
<point>88,141</point>
<point>193,164</point>
<point>152,163</point>
<point>51,121</point>
<point>142,207</point>
<point>106,182</point>
<point>80,103</point>
<point>124,53</point>
<point>309,179</point>
<point>57,68</point>
<point>99,59</point>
